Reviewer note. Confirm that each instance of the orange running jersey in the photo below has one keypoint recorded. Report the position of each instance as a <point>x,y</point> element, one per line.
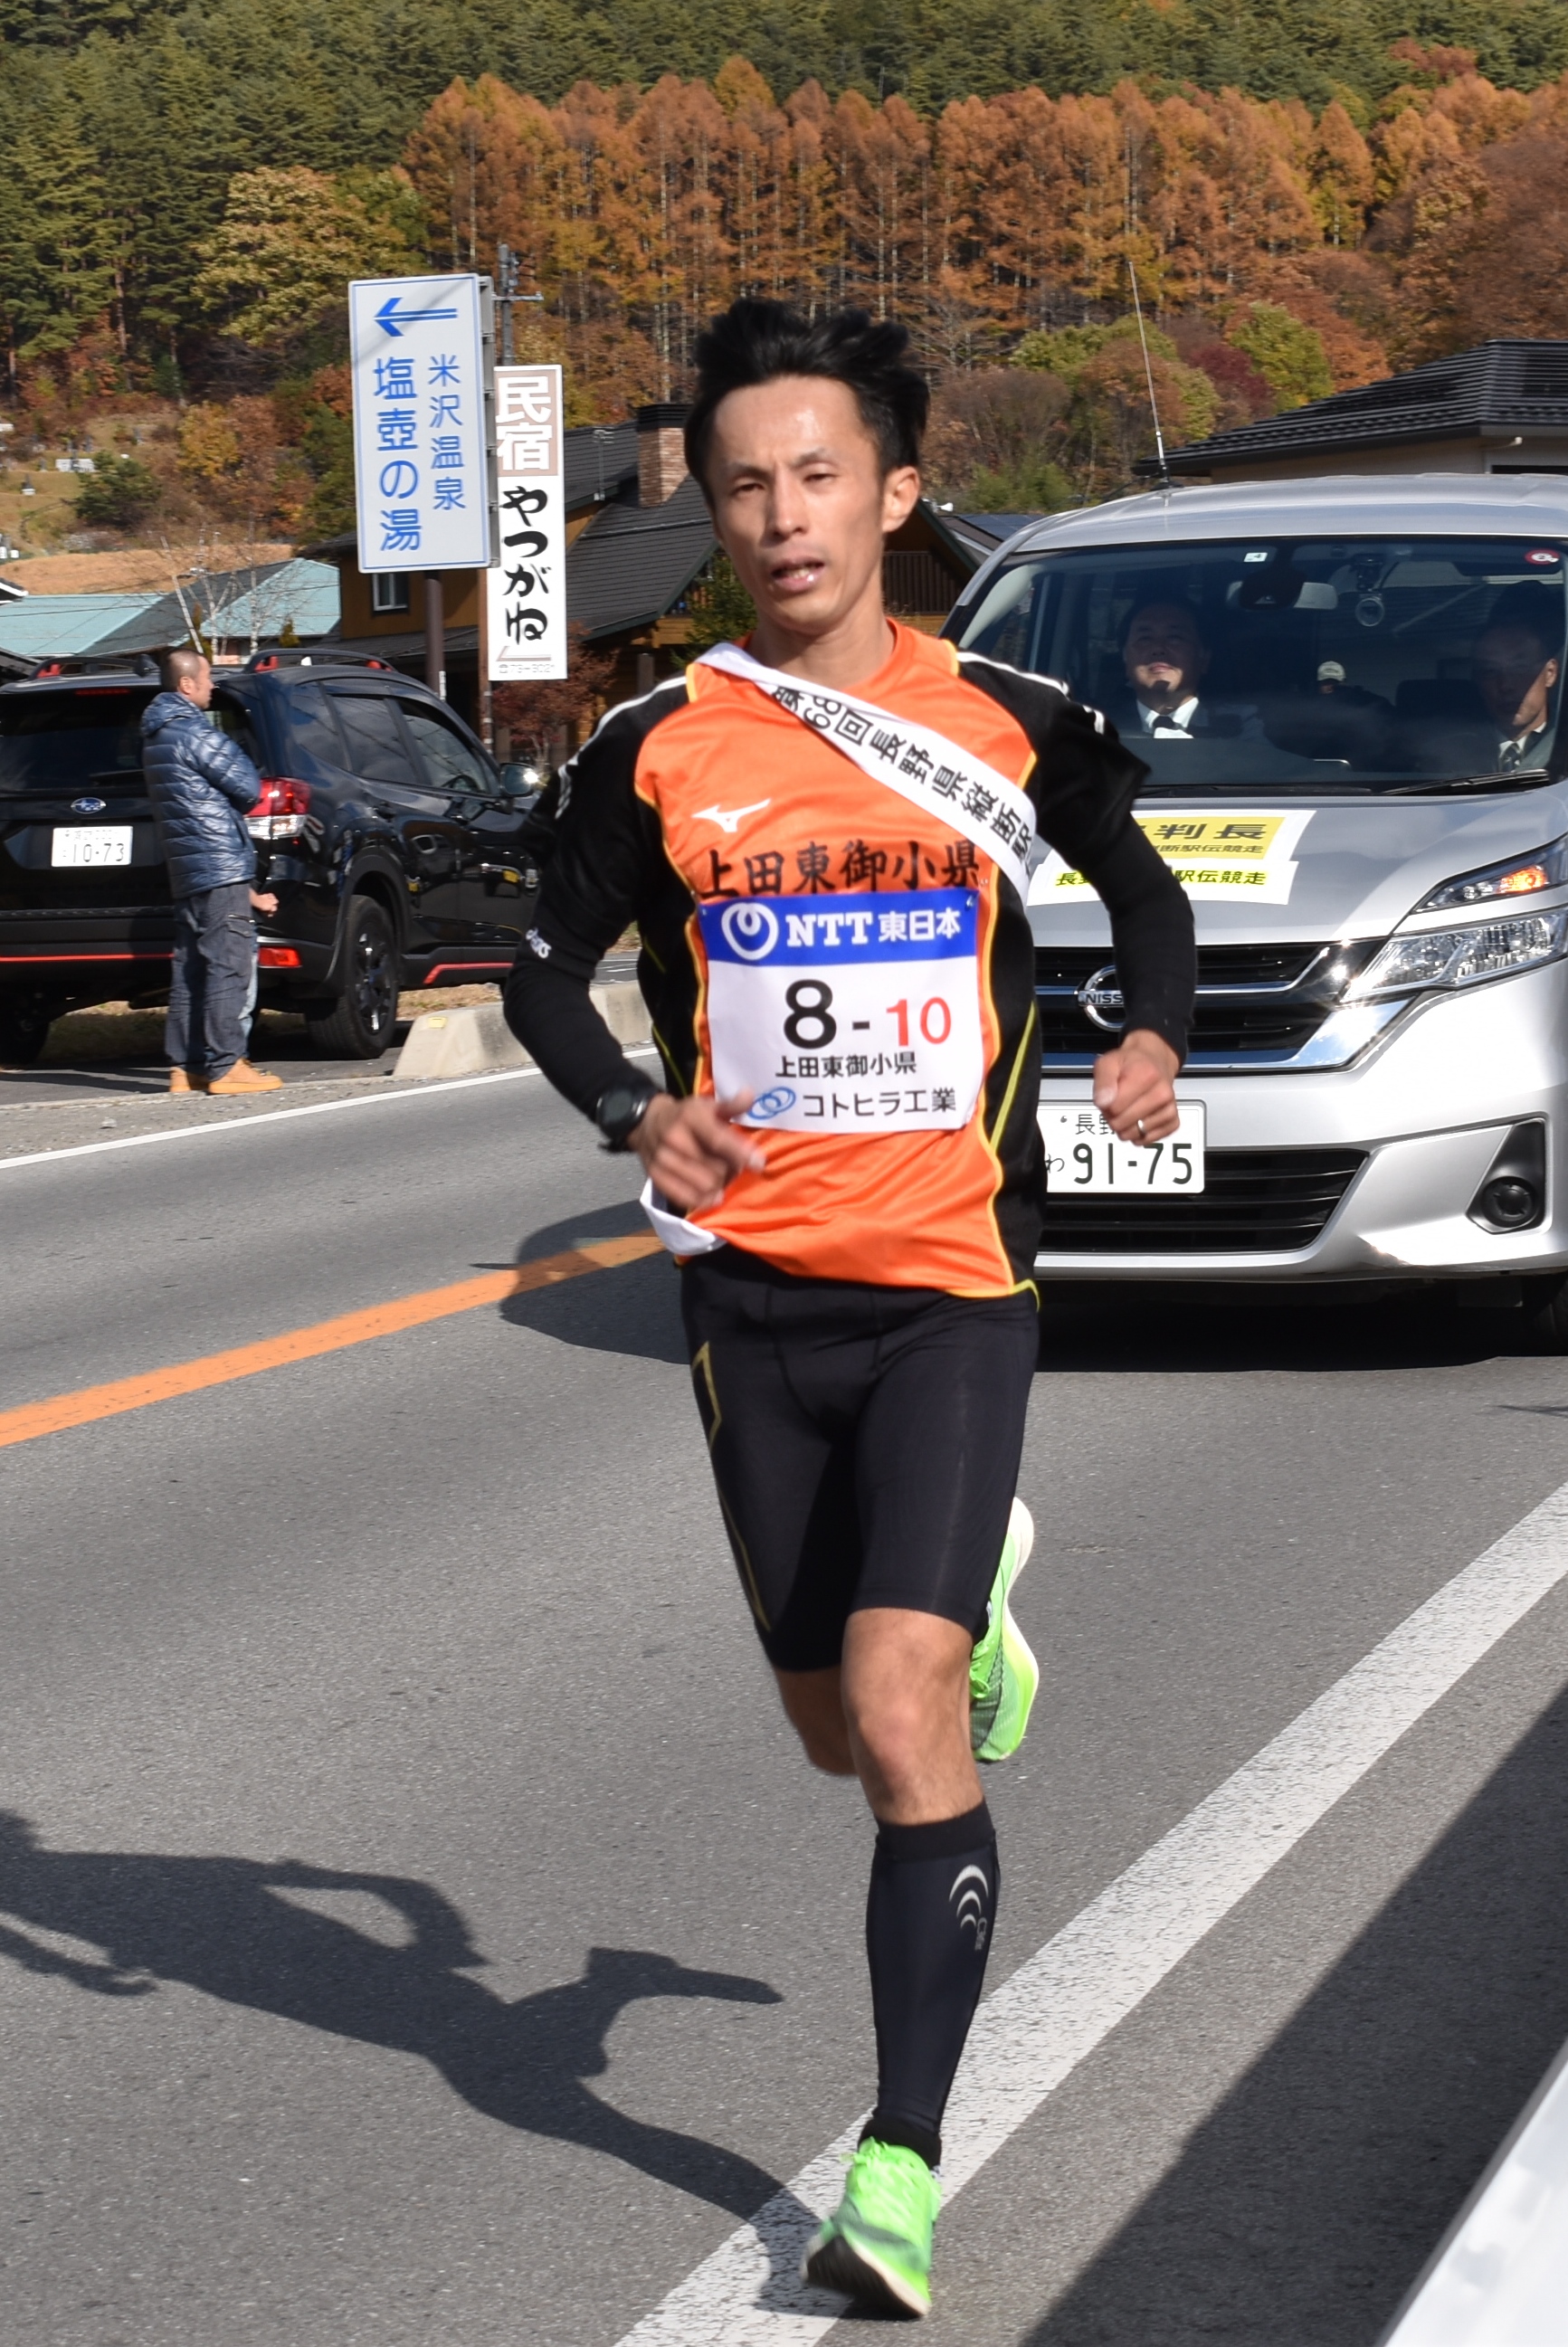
<point>704,792</point>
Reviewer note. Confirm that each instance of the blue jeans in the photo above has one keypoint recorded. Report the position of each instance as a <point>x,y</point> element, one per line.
<point>212,989</point>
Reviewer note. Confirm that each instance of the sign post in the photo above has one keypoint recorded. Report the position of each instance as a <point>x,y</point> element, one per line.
<point>526,618</point>
<point>419,363</point>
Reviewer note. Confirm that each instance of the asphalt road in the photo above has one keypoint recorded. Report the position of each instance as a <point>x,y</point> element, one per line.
<point>415,1924</point>
<point>284,1050</point>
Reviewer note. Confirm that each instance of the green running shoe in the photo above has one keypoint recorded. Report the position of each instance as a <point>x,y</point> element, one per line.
<point>876,2245</point>
<point>1003,1672</point>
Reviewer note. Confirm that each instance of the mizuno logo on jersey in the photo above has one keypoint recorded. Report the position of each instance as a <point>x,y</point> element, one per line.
<point>729,818</point>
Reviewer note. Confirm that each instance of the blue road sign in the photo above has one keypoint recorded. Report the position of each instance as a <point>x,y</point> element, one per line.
<point>419,424</point>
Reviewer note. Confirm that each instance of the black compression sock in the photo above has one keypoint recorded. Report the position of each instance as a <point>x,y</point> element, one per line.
<point>929,1924</point>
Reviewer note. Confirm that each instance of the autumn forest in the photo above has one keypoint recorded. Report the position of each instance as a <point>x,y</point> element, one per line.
<point>163,239</point>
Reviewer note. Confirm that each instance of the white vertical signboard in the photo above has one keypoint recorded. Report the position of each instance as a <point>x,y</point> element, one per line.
<point>527,588</point>
<point>419,422</point>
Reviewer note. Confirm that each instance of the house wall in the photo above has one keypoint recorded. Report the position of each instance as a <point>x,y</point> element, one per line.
<point>460,603</point>
<point>921,578</point>
<point>1532,452</point>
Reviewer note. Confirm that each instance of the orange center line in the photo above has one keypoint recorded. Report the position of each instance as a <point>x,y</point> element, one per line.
<point>88,1403</point>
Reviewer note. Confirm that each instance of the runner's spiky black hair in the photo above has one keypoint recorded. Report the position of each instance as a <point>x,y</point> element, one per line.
<point>756,341</point>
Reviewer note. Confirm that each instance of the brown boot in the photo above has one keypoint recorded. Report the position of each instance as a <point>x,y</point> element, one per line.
<point>180,1080</point>
<point>243,1078</point>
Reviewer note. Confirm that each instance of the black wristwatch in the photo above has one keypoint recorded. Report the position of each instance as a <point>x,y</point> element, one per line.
<point>622,1109</point>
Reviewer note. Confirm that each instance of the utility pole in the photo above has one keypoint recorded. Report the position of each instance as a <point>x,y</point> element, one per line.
<point>507,296</point>
<point>435,633</point>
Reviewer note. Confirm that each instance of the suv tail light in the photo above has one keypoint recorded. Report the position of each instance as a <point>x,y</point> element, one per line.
<point>280,812</point>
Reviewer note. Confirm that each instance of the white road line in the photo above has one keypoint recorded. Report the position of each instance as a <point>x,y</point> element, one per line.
<point>1065,2000</point>
<point>435,1089</point>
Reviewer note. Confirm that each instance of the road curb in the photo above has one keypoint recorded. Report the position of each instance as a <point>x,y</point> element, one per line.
<point>476,1040</point>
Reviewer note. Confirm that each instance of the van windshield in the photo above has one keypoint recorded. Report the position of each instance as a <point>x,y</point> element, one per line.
<point>1363,664</point>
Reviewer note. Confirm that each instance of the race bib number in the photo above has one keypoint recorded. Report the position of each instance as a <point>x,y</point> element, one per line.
<point>848,1014</point>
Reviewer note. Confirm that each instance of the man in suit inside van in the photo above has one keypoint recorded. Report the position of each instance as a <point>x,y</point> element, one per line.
<point>1516,668</point>
<point>1166,660</point>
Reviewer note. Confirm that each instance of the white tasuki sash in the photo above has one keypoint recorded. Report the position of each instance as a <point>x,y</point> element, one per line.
<point>933,774</point>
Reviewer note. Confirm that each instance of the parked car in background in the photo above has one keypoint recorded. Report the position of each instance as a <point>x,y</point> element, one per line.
<point>394,844</point>
<point>1365,789</point>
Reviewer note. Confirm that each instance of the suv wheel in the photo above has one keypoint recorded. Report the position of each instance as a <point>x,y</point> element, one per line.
<point>24,1031</point>
<point>361,1022</point>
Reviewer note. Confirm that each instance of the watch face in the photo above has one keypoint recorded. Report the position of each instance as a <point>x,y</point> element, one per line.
<point>618,1112</point>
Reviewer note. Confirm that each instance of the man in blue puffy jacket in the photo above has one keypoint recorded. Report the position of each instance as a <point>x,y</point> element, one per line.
<point>202,785</point>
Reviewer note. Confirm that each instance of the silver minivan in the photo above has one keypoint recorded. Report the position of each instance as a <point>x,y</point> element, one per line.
<point>1348,692</point>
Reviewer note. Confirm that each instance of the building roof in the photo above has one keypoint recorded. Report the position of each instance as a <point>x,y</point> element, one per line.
<point>408,644</point>
<point>236,604</point>
<point>63,627</point>
<point>979,535</point>
<point>633,562</point>
<point>599,459</point>
<point>1496,389</point>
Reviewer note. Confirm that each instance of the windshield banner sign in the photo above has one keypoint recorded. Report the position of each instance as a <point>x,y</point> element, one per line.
<point>1220,855</point>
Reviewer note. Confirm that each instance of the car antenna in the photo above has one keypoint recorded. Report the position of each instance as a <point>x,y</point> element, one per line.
<point>1165,480</point>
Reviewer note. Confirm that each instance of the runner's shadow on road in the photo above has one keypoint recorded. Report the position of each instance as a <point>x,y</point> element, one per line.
<point>241,1931</point>
<point>634,1309</point>
<point>1306,2205</point>
<point>1160,1330</point>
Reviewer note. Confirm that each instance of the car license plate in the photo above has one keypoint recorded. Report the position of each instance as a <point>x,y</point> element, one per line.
<point>1083,1155</point>
<point>92,844</point>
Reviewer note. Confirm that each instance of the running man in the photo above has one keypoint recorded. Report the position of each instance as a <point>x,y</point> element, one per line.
<point>822,839</point>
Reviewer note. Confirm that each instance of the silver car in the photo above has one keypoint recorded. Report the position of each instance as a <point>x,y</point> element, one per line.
<point>1349,693</point>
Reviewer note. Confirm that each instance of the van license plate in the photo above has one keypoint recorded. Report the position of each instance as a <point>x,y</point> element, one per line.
<point>1082,1155</point>
<point>92,844</point>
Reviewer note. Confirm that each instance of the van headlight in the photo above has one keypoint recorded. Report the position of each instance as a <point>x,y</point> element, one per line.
<point>1447,958</point>
<point>1520,876</point>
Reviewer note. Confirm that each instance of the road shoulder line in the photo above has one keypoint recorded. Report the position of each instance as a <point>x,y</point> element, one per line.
<point>266,1116</point>
<point>1064,2001</point>
<point>434,1088</point>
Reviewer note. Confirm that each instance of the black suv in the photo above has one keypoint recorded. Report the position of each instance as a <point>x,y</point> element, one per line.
<point>394,843</point>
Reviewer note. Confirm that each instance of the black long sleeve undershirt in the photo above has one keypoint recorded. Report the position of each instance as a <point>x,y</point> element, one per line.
<point>549,1011</point>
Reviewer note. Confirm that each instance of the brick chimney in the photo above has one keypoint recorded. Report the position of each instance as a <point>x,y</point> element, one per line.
<point>661,457</point>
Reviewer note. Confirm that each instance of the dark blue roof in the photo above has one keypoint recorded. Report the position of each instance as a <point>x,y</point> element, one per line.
<point>633,562</point>
<point>1499,386</point>
<point>1000,526</point>
<point>600,459</point>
